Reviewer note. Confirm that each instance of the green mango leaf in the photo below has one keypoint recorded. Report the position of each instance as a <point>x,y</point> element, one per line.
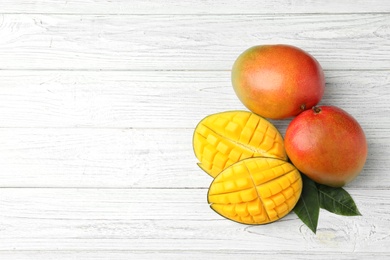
<point>337,200</point>
<point>308,205</point>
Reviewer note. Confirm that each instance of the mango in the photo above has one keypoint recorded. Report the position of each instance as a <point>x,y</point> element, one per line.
<point>256,190</point>
<point>277,81</point>
<point>327,144</point>
<point>225,138</point>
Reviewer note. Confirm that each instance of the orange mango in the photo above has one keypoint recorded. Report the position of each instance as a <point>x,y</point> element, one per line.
<point>256,190</point>
<point>223,139</point>
<point>327,144</point>
<point>277,81</point>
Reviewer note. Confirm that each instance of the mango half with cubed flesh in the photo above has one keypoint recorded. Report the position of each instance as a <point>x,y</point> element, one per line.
<point>225,138</point>
<point>256,190</point>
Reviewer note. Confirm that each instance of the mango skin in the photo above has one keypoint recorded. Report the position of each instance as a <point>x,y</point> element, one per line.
<point>277,81</point>
<point>327,144</point>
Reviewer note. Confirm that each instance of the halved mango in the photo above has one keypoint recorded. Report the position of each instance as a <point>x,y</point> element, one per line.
<point>256,190</point>
<point>225,138</point>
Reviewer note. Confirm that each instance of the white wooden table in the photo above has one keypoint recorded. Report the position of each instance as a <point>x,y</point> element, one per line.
<point>98,103</point>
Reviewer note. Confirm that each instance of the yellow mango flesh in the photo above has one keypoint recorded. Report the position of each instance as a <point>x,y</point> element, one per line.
<point>256,190</point>
<point>228,137</point>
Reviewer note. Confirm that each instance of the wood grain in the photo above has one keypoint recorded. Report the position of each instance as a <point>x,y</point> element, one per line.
<point>180,254</point>
<point>192,7</point>
<point>186,42</point>
<point>168,220</point>
<point>163,99</point>
<point>99,158</point>
<point>98,103</point>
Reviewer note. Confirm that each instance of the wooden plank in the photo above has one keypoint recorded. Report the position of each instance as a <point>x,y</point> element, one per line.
<point>128,158</point>
<point>187,42</point>
<point>192,7</point>
<point>162,99</point>
<point>112,99</point>
<point>176,220</point>
<point>99,158</point>
<point>184,253</point>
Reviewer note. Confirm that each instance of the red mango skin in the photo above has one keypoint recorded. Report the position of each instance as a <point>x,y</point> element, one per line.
<point>277,81</point>
<point>326,144</point>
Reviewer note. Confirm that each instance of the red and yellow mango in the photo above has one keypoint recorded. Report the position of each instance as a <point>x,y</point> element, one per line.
<point>277,81</point>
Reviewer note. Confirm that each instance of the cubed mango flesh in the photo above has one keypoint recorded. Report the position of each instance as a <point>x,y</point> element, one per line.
<point>256,190</point>
<point>225,138</point>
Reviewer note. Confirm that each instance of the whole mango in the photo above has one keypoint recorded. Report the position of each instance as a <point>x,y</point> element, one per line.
<point>327,144</point>
<point>277,81</point>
